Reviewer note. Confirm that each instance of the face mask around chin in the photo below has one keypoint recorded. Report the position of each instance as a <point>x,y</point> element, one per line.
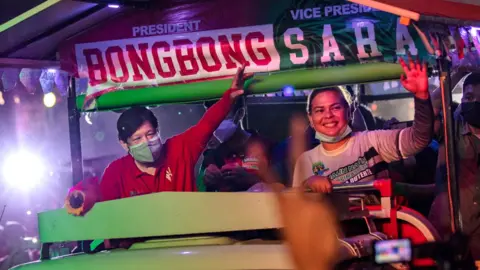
<point>146,152</point>
<point>329,139</point>
<point>225,130</point>
<point>471,113</point>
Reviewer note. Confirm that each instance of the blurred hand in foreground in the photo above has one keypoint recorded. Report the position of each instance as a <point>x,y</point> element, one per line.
<point>310,226</point>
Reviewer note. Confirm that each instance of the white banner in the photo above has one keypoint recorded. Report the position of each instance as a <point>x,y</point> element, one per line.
<point>156,60</point>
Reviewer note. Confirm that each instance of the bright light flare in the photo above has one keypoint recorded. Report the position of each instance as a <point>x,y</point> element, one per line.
<point>31,239</point>
<point>23,170</point>
<point>113,6</point>
<point>49,100</point>
<point>474,31</point>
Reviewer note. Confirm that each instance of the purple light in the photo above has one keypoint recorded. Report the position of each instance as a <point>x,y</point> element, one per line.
<point>288,90</point>
<point>113,6</point>
<point>474,31</point>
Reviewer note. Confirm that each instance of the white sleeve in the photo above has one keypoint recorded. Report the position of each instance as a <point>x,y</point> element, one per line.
<point>394,144</point>
<point>385,143</point>
<point>303,170</point>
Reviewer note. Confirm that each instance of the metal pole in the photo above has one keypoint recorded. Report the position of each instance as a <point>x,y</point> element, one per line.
<point>356,94</point>
<point>361,94</point>
<point>245,119</point>
<point>450,145</point>
<point>74,130</point>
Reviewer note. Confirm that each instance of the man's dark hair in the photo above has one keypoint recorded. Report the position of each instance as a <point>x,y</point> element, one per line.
<point>472,79</point>
<point>131,119</point>
<point>315,92</point>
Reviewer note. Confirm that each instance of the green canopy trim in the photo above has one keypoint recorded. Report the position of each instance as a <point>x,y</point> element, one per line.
<point>259,84</point>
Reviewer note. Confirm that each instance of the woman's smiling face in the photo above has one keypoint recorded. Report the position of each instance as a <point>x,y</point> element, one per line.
<point>329,113</point>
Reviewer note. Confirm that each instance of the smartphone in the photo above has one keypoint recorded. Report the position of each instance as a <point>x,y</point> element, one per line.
<point>392,251</point>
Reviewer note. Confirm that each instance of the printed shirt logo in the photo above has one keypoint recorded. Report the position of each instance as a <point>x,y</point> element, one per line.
<point>169,174</point>
<point>352,173</point>
<point>319,168</point>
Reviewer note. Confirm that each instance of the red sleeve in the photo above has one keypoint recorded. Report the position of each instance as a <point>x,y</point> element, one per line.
<point>198,136</point>
<point>96,191</point>
<point>110,183</point>
<point>90,188</point>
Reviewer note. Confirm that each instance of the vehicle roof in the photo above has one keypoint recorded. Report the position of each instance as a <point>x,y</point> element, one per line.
<point>37,37</point>
<point>163,214</point>
<point>203,257</point>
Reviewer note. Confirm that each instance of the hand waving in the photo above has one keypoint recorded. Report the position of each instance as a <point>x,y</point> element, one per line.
<point>236,89</point>
<point>311,248</point>
<point>415,78</point>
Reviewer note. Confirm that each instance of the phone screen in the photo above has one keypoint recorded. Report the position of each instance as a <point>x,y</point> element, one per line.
<point>393,251</point>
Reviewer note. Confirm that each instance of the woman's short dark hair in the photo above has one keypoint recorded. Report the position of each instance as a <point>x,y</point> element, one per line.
<point>131,119</point>
<point>344,93</point>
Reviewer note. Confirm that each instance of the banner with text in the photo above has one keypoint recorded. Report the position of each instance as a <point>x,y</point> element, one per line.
<point>210,40</point>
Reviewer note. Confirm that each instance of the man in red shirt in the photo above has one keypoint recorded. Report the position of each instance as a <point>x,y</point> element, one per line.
<point>152,165</point>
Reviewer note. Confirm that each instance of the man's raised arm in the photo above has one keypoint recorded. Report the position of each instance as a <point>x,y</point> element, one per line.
<point>199,135</point>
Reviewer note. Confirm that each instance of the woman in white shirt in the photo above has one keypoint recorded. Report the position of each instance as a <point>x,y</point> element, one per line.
<point>348,157</point>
